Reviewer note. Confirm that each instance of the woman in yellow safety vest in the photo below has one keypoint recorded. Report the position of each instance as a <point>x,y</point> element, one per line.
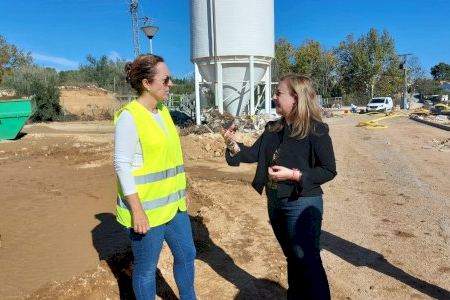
<point>151,198</point>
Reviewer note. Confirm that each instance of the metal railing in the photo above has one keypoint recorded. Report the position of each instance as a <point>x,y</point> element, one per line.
<point>182,102</point>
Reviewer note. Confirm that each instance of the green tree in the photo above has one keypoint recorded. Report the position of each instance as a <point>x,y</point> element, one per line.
<point>363,63</point>
<point>320,65</point>
<point>390,83</point>
<point>41,84</point>
<point>307,58</point>
<point>441,71</point>
<point>98,71</point>
<point>284,58</point>
<point>415,72</point>
<point>183,86</point>
<point>72,77</point>
<point>428,87</point>
<point>46,97</point>
<point>11,58</point>
<point>105,73</point>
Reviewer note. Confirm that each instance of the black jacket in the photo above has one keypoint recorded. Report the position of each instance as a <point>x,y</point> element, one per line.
<point>313,156</point>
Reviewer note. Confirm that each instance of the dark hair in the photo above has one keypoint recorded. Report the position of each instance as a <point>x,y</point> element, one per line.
<point>143,67</point>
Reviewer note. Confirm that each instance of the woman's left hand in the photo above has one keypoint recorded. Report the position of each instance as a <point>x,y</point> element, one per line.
<point>280,173</point>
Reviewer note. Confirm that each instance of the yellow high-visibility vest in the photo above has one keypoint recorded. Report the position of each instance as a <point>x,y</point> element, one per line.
<point>161,181</point>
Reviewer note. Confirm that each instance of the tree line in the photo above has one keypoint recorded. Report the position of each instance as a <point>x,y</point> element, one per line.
<point>358,68</point>
<point>17,72</point>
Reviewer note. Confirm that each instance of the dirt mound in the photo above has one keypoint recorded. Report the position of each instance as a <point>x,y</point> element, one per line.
<point>89,103</point>
<point>210,145</point>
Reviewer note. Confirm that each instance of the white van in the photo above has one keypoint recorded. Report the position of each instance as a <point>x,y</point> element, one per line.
<point>380,104</point>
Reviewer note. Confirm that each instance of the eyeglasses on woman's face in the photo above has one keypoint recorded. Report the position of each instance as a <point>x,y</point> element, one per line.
<point>167,80</point>
<point>278,93</point>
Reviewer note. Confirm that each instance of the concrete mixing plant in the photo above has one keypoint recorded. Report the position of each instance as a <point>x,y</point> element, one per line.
<point>232,49</point>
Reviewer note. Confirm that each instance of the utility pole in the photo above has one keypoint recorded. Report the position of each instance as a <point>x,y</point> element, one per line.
<point>134,24</point>
<point>403,66</point>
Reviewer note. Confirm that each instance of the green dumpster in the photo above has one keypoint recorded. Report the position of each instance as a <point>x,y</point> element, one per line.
<point>13,115</point>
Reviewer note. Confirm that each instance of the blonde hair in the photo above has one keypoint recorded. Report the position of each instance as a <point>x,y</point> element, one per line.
<point>306,111</point>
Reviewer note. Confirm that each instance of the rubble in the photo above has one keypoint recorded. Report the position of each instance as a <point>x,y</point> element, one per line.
<point>93,88</point>
<point>440,145</point>
<point>215,121</point>
<point>7,93</point>
<point>435,118</point>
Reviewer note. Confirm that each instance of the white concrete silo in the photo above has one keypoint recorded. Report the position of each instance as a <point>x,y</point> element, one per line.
<point>232,47</point>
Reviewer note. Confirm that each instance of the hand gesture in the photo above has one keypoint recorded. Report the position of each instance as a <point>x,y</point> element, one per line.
<point>280,173</point>
<point>228,134</point>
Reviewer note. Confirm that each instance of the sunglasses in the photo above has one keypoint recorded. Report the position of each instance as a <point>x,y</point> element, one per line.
<point>167,79</point>
<point>278,93</point>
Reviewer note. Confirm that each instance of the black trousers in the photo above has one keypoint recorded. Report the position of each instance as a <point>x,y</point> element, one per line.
<point>297,226</point>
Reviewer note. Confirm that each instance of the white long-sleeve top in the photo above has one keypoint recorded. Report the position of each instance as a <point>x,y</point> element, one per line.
<point>128,150</point>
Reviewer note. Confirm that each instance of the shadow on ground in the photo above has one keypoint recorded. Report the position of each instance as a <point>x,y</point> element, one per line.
<point>112,244</point>
<point>360,256</point>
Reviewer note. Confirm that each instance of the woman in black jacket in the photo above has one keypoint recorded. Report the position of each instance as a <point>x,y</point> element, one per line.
<point>295,156</point>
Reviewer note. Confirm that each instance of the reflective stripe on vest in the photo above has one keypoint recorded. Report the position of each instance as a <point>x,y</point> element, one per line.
<point>156,202</point>
<point>157,176</point>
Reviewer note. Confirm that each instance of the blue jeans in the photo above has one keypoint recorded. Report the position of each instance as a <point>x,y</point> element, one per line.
<point>147,248</point>
<point>297,223</point>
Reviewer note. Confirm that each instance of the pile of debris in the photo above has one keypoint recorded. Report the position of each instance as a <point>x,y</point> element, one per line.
<point>211,145</point>
<point>438,119</point>
<point>440,145</point>
<point>215,121</point>
<point>92,90</point>
<point>4,94</point>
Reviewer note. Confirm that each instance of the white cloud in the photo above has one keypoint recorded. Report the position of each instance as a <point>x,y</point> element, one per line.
<point>54,61</point>
<point>114,55</point>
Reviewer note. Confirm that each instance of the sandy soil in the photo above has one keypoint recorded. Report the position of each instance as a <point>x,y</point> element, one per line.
<point>88,103</point>
<point>386,229</point>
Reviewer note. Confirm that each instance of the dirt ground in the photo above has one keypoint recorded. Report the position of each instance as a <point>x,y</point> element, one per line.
<point>89,103</point>
<point>386,227</point>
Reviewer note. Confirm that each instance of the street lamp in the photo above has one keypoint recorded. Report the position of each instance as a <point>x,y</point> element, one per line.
<point>150,32</point>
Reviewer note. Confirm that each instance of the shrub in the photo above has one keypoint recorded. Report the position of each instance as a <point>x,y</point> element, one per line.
<point>41,84</point>
<point>46,98</point>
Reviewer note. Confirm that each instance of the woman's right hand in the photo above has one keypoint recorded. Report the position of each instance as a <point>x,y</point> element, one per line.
<point>228,134</point>
<point>140,221</point>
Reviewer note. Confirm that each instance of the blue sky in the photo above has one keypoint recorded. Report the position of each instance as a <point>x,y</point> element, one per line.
<point>60,33</point>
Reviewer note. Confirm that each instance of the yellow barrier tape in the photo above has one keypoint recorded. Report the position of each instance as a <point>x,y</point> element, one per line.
<point>421,111</point>
<point>374,123</point>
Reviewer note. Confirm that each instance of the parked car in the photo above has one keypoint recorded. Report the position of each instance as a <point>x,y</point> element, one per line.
<point>440,109</point>
<point>380,104</point>
<point>428,103</point>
